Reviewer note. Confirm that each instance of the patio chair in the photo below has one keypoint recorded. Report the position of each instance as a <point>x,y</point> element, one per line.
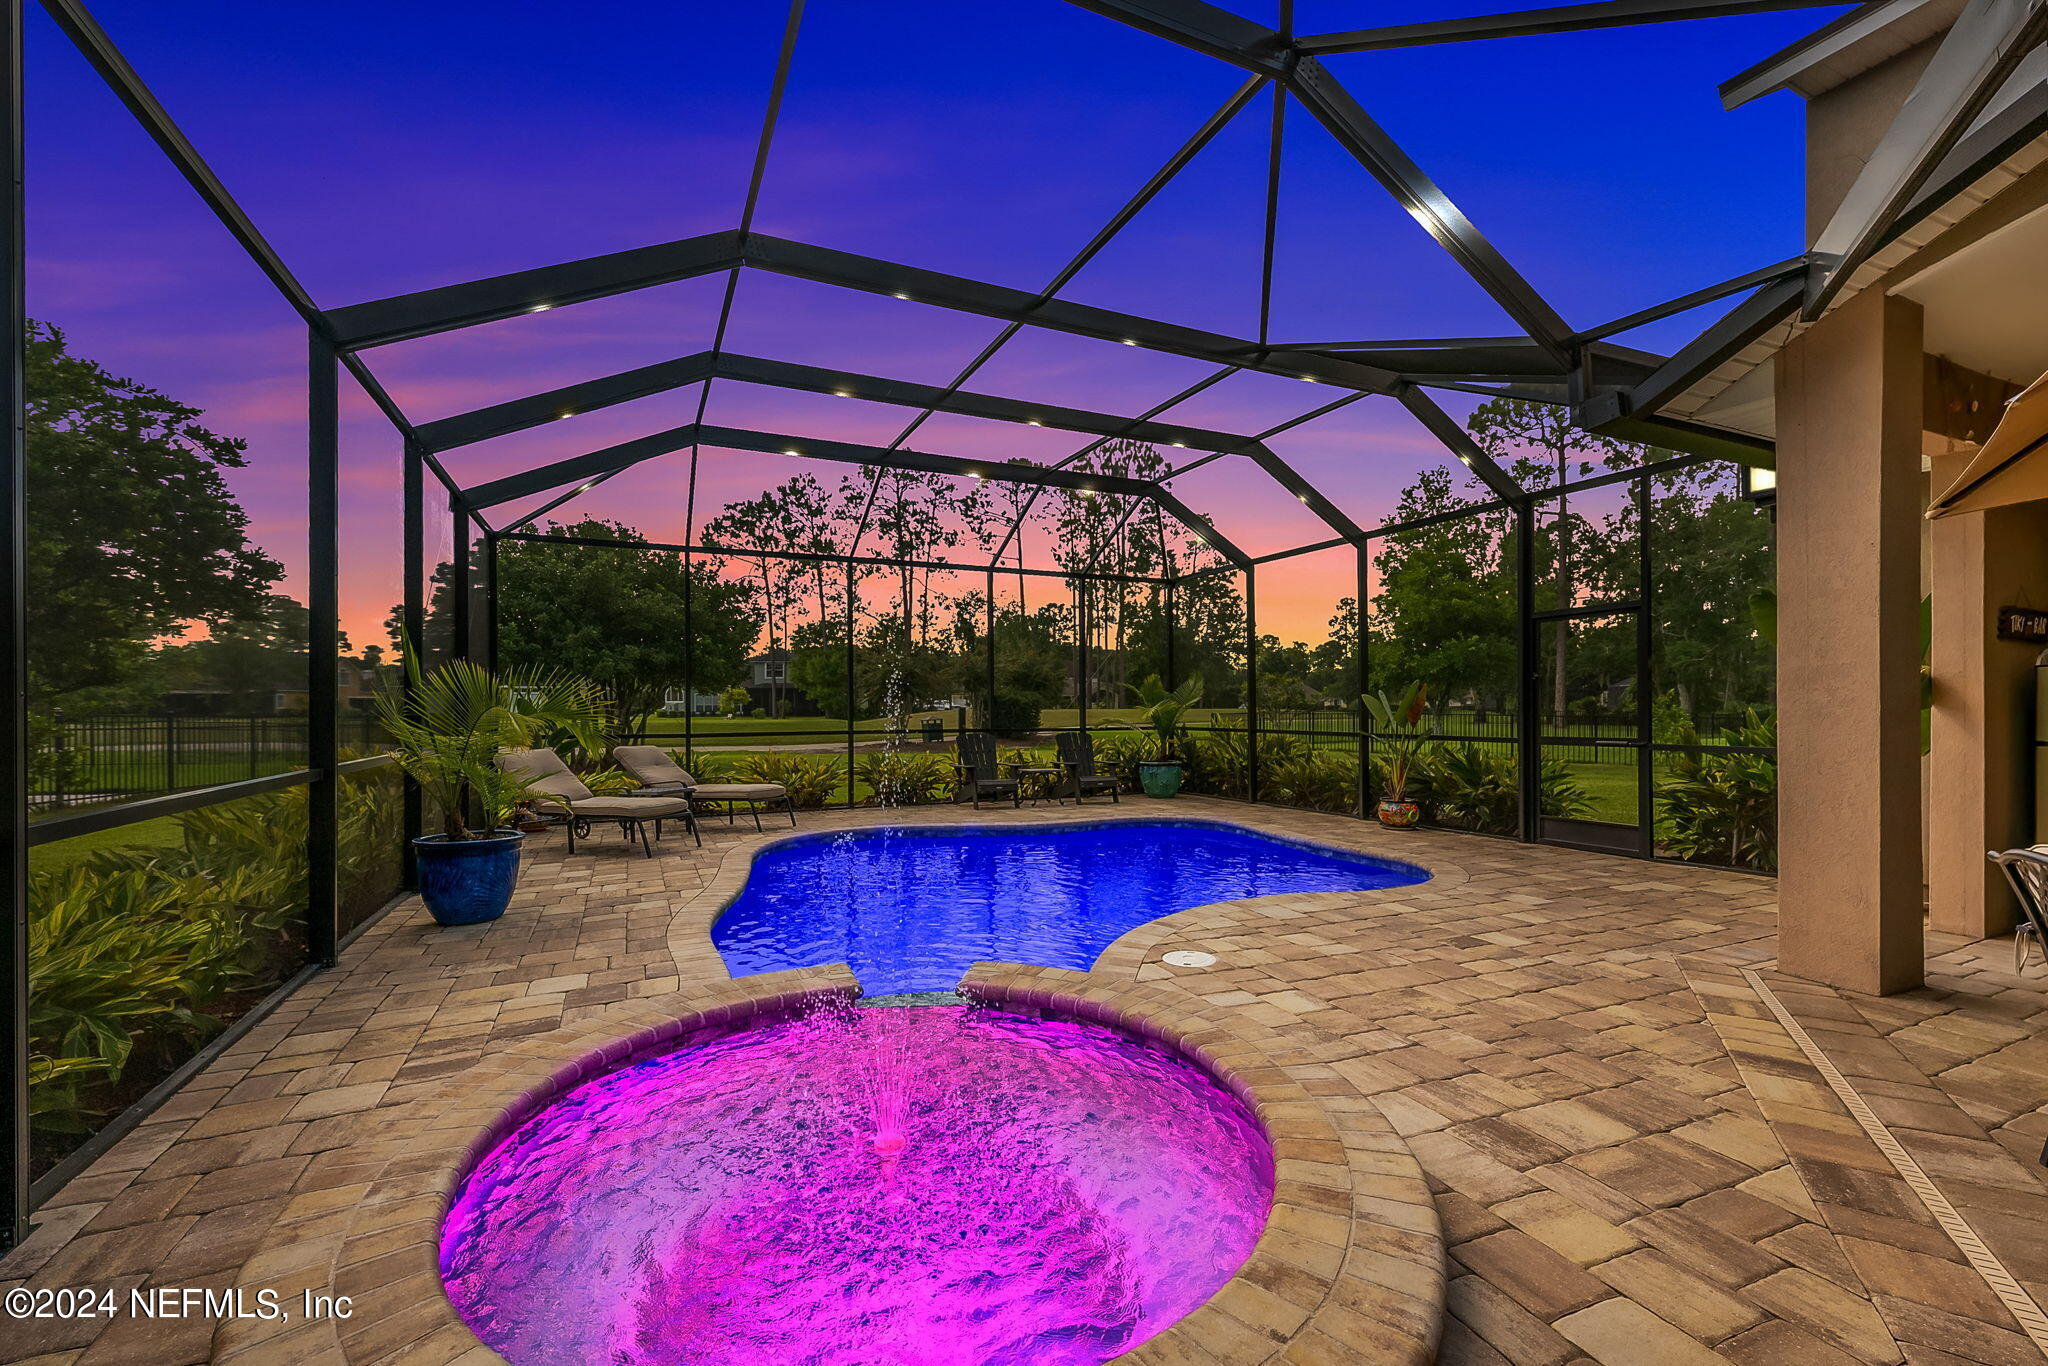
<point>659,774</point>
<point>1076,752</point>
<point>552,784</point>
<point>976,773</point>
<point>2027,871</point>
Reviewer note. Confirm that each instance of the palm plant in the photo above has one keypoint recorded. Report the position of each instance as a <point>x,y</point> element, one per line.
<point>449,725</point>
<point>1163,711</point>
<point>1401,725</point>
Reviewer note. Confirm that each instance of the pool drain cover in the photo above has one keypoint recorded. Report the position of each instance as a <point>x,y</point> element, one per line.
<point>1188,958</point>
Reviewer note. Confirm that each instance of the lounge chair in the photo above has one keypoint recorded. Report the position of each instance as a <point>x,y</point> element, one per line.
<point>977,774</point>
<point>2027,871</point>
<point>1076,752</point>
<point>660,775</point>
<point>552,784</point>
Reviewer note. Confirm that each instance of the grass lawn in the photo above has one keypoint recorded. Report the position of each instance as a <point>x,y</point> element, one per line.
<point>1612,790</point>
<point>660,728</point>
<point>161,833</point>
<point>804,728</point>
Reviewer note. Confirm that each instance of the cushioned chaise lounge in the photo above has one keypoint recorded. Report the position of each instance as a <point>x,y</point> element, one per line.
<point>659,774</point>
<point>552,784</point>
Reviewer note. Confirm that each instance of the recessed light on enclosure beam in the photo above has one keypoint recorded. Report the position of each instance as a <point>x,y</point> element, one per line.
<point>901,295</point>
<point>1130,341</point>
<point>540,308</point>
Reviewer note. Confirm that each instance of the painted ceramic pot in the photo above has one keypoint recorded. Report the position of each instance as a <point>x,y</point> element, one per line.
<point>1399,815</point>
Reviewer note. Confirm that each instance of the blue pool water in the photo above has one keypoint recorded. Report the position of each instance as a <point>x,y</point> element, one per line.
<point>911,908</point>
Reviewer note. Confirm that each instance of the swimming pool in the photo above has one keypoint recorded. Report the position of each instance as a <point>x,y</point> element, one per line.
<point>910,908</point>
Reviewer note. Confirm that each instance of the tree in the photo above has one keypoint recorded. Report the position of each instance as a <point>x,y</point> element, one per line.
<point>133,534</point>
<point>631,620</point>
<point>248,660</point>
<point>1445,615</point>
<point>1543,444</point>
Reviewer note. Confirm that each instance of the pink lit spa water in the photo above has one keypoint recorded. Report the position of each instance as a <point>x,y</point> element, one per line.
<point>921,1186</point>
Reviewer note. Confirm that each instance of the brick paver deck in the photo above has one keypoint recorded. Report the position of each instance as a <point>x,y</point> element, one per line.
<point>1631,1160</point>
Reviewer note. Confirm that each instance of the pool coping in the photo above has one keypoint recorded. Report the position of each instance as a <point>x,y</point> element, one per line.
<point>691,945</point>
<point>1350,1265</point>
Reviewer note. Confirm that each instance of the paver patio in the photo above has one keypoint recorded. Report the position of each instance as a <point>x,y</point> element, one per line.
<point>1631,1158</point>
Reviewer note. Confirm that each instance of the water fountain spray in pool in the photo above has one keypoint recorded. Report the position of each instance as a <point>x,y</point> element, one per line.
<point>926,1186</point>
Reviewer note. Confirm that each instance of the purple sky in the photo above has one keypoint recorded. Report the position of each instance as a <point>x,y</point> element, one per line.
<point>386,147</point>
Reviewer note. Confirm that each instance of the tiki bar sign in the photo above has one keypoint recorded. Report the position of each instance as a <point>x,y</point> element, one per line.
<point>2023,623</point>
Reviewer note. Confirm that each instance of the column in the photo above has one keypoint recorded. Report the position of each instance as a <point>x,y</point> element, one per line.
<point>1850,495</point>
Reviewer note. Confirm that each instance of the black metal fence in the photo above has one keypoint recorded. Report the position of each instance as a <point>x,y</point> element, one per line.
<point>92,759</point>
<point>1580,740</point>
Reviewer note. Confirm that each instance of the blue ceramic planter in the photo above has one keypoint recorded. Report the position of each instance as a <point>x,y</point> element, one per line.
<point>466,882</point>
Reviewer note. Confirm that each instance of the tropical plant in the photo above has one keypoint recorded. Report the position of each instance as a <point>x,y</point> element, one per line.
<point>1721,805</point>
<point>449,725</point>
<point>707,767</point>
<point>1031,786</point>
<point>1119,755</point>
<point>1472,787</point>
<point>1164,713</point>
<point>905,779</point>
<point>1401,725</point>
<point>135,951</point>
<point>1315,779</point>
<point>110,948</point>
<point>810,779</point>
<point>53,1099</point>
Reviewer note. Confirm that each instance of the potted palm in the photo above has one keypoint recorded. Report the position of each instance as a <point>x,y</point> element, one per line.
<point>446,729</point>
<point>1401,725</point>
<point>1163,714</point>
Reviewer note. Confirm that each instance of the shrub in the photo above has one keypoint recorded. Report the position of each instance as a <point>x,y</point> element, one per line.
<point>1722,807</point>
<point>137,953</point>
<point>710,768</point>
<point>1318,780</point>
<point>117,953</point>
<point>898,779</point>
<point>1468,786</point>
<point>1030,786</point>
<point>811,779</point>
<point>1014,713</point>
<point>1218,760</point>
<point>1119,755</point>
<point>1472,787</point>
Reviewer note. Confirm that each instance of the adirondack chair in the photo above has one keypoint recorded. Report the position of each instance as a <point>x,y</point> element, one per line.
<point>1076,751</point>
<point>978,775</point>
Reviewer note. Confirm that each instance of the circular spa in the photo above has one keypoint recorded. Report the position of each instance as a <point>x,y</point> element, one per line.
<point>910,908</point>
<point>925,1186</point>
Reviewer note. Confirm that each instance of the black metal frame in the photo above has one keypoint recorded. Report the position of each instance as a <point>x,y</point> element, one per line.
<point>1551,361</point>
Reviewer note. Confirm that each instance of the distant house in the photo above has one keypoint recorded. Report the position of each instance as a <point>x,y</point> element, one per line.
<point>695,702</point>
<point>768,688</point>
<point>355,690</point>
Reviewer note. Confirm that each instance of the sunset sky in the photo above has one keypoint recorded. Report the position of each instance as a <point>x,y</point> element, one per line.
<point>386,147</point>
